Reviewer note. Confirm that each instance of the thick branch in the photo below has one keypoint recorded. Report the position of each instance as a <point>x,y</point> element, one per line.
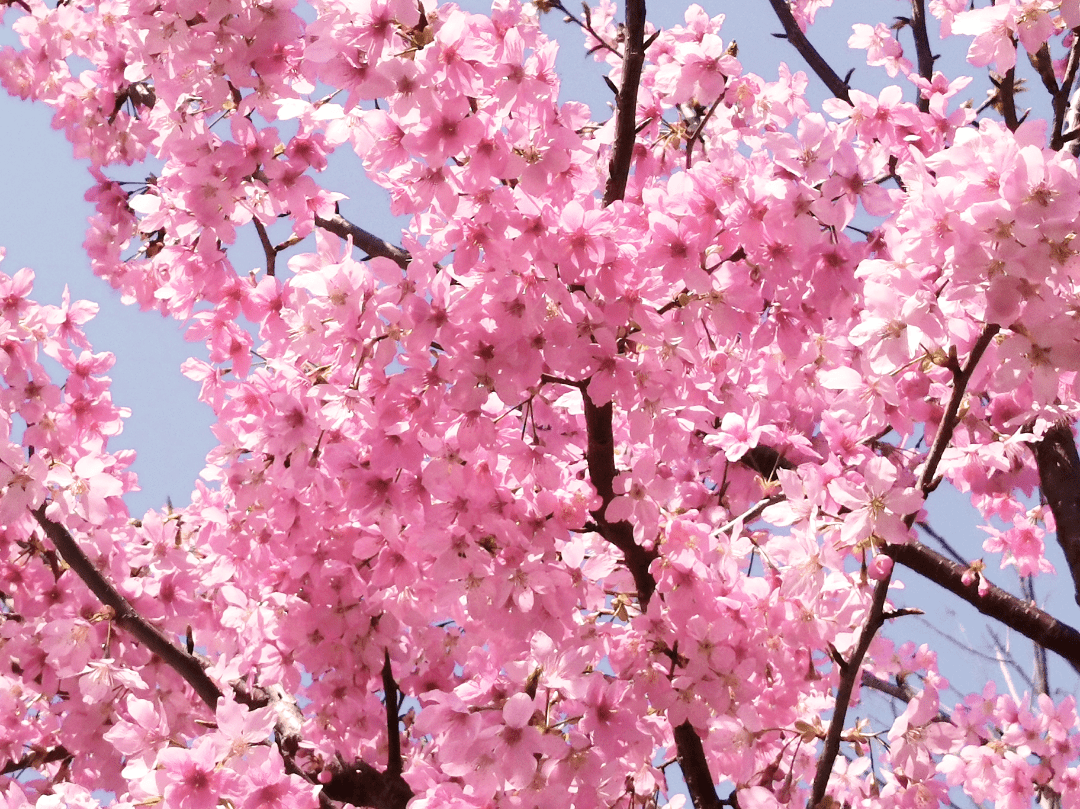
<point>923,53</point>
<point>600,455</point>
<point>368,242</point>
<point>837,86</point>
<point>1024,617</point>
<point>1061,100</point>
<point>36,758</point>
<point>600,452</point>
<point>1059,477</point>
<point>626,103</point>
<point>359,784</point>
<point>393,732</point>
<point>179,660</point>
<point>695,768</point>
<point>268,249</point>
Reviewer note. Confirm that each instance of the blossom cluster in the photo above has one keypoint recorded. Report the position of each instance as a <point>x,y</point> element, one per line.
<point>407,483</point>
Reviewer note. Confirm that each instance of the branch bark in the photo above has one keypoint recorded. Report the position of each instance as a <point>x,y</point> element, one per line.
<point>1025,618</point>
<point>125,616</point>
<point>923,53</point>
<point>875,619</point>
<point>359,784</point>
<point>626,103</point>
<point>368,242</point>
<point>1059,477</point>
<point>600,452</point>
<point>837,86</point>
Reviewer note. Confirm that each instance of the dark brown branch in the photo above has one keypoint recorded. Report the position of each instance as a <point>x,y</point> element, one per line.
<point>876,617</point>
<point>359,784</point>
<point>36,758</point>
<point>1044,66</point>
<point>600,455</point>
<point>1006,98</point>
<point>393,732</point>
<point>961,377</point>
<point>903,693</point>
<point>626,103</point>
<point>362,785</point>
<point>923,54</point>
<point>1025,618</point>
<point>268,249</point>
<point>695,136</point>
<point>1061,100</point>
<point>849,673</point>
<point>600,451</point>
<point>125,616</point>
<point>695,768</point>
<point>1059,477</point>
<point>368,242</point>
<point>837,86</point>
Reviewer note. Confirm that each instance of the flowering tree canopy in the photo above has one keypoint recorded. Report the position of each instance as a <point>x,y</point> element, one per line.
<point>591,483</point>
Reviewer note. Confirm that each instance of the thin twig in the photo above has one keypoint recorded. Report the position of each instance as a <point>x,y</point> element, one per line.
<point>586,26</point>
<point>944,543</point>
<point>1042,671</point>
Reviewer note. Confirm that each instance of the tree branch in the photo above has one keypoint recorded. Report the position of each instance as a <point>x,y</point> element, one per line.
<point>695,768</point>
<point>1061,100</point>
<point>849,673</point>
<point>923,53</point>
<point>600,452</point>
<point>393,733</point>
<point>586,26</point>
<point>359,784</point>
<point>626,103</point>
<point>875,619</point>
<point>600,455</point>
<point>368,242</point>
<point>837,86</point>
<point>268,249</point>
<point>1025,618</point>
<point>1059,477</point>
<point>184,664</point>
<point>36,758</point>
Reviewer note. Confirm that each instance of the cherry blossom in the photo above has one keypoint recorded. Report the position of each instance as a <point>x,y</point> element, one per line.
<point>597,483</point>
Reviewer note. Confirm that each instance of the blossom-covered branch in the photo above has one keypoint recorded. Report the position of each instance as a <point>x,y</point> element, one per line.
<point>794,34</point>
<point>368,242</point>
<point>181,661</point>
<point>358,784</point>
